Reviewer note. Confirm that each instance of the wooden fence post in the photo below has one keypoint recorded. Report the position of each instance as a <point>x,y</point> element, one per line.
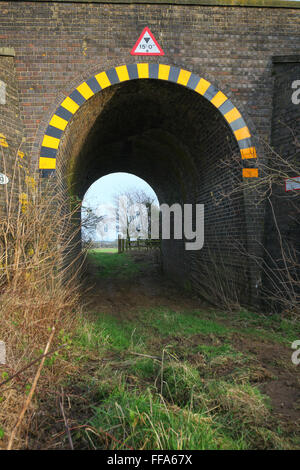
<point>119,243</point>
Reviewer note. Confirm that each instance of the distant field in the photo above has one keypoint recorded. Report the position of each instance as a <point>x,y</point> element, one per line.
<point>104,250</point>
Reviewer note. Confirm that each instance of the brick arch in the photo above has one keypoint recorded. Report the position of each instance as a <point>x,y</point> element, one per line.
<point>93,85</point>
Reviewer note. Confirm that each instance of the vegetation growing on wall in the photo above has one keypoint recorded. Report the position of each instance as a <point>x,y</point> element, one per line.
<point>38,298</point>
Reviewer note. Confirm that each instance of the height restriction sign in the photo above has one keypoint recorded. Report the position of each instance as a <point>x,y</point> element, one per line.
<point>147,45</point>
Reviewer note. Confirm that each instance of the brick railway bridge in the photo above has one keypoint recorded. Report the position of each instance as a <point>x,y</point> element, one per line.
<point>80,106</point>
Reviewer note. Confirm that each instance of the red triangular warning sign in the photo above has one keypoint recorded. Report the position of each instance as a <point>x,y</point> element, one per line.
<point>147,45</point>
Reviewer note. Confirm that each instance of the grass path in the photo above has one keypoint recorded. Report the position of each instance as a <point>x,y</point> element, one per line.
<point>156,369</point>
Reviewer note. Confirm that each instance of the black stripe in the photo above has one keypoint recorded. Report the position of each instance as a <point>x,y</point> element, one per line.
<point>112,76</point>
<point>174,74</point>
<point>245,143</point>
<point>153,70</point>
<point>237,124</point>
<point>93,84</point>
<point>193,81</point>
<point>226,107</point>
<point>77,97</point>
<point>250,163</point>
<point>63,113</point>
<point>45,173</point>
<point>132,71</point>
<point>210,92</point>
<point>54,132</point>
<point>47,152</point>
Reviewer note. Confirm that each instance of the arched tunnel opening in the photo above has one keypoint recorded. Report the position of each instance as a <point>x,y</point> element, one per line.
<point>177,141</point>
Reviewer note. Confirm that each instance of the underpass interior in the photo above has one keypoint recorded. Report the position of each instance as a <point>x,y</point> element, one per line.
<point>177,141</point>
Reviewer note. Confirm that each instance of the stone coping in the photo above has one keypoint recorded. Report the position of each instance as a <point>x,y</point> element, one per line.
<point>230,3</point>
<point>7,51</point>
<point>279,59</point>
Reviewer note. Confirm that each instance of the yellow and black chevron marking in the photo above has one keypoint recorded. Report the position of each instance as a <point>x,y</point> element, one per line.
<point>123,73</point>
<point>3,141</point>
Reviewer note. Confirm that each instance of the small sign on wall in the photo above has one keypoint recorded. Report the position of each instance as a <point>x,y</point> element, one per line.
<point>3,179</point>
<point>146,45</point>
<point>292,184</point>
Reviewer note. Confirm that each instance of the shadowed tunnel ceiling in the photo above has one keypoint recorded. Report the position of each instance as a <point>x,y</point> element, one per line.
<point>159,131</point>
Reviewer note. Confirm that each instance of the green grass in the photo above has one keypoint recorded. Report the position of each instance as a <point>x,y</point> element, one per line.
<point>141,420</point>
<point>213,351</point>
<point>164,401</point>
<point>106,332</point>
<point>168,322</point>
<point>274,327</point>
<point>145,368</point>
<point>172,379</point>
<point>104,250</point>
<point>114,265</point>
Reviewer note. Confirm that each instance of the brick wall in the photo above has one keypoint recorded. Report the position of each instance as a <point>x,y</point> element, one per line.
<point>283,211</point>
<point>10,127</point>
<point>58,45</point>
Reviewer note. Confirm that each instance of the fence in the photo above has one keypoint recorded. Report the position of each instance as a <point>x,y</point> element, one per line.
<point>127,244</point>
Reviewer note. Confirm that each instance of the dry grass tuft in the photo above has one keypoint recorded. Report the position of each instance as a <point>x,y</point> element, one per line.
<point>244,402</point>
<point>37,293</point>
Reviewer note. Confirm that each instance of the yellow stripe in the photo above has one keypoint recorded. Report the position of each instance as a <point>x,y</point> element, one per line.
<point>202,86</point>
<point>3,142</point>
<point>143,70</point>
<point>103,80</point>
<point>51,142</point>
<point>219,99</point>
<point>122,73</point>
<point>85,90</point>
<point>250,172</point>
<point>58,122</point>
<point>183,77</point>
<point>47,163</point>
<point>242,133</point>
<point>232,115</point>
<point>248,153</point>
<point>70,105</point>
<point>163,71</point>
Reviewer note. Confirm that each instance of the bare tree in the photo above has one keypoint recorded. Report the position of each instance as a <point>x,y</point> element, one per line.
<point>134,208</point>
<point>89,223</point>
<point>279,261</point>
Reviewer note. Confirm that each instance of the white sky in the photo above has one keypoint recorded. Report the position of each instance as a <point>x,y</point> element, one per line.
<point>105,188</point>
<point>103,192</point>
